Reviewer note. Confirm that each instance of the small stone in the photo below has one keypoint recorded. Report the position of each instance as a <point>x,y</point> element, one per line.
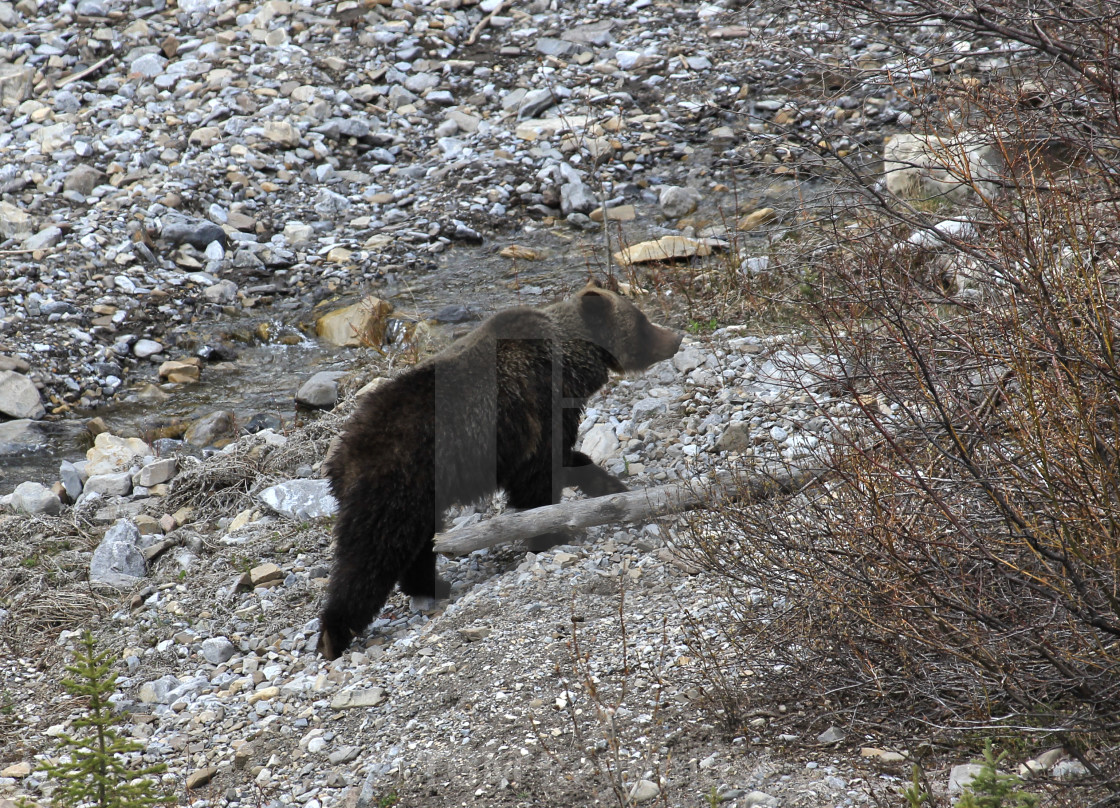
<point>474,633</point>
<point>666,248</point>
<point>884,756</point>
<point>962,775</point>
<point>199,233</point>
<point>677,202</point>
<point>156,472</point>
<point>644,791</point>
<point>44,239</point>
<point>200,777</point>
<point>522,253</point>
<point>180,372</point>
<point>736,438</point>
<point>143,348</point>
<point>321,390</point>
<point>217,650</point>
<point>14,222</point>
<point>16,770</point>
<point>619,213</point>
<point>757,219</point>
<point>83,179</point>
<point>282,133</point>
<point>759,799</point>
<point>265,574</point>
<point>363,323</point>
<point>347,699</point>
<point>832,735</point>
<point>114,484</point>
<point>600,443</point>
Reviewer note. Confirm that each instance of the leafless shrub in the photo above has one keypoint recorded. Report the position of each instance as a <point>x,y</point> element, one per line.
<point>960,571</point>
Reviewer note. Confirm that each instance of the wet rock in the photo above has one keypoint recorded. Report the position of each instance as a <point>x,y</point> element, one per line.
<point>21,436</point>
<point>180,372</point>
<point>454,313</point>
<point>677,202</point>
<point>35,498</point>
<point>144,348</point>
<point>363,323</point>
<point>320,391</point>
<point>118,560</point>
<point>300,499</point>
<point>264,420</point>
<point>214,429</point>
<point>19,397</point>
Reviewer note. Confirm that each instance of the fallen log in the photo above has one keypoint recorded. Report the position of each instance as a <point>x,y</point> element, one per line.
<point>631,506</point>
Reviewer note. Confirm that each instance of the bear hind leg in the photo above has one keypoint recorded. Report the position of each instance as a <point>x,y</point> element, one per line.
<point>419,578</point>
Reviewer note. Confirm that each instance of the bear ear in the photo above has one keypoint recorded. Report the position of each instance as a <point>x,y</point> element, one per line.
<point>593,284</point>
<point>594,301</point>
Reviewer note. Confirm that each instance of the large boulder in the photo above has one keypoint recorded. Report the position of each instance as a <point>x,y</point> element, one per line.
<point>951,168</point>
<point>360,324</point>
<point>118,561</point>
<point>111,454</point>
<point>19,397</point>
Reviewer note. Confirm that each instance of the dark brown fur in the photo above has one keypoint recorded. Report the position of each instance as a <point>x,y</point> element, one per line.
<point>498,409</point>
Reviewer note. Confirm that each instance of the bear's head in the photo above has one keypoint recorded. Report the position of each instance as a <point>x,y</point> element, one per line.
<point>622,330</point>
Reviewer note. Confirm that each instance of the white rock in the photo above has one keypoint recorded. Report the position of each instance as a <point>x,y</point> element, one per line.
<point>600,443</point>
<point>19,397</point>
<point>300,499</point>
<point>32,497</point>
<point>118,561</point>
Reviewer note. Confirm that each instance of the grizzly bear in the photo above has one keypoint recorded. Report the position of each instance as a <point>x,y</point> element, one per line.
<point>499,409</point>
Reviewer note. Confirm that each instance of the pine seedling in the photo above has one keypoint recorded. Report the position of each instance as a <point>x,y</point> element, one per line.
<point>92,770</point>
<point>991,788</point>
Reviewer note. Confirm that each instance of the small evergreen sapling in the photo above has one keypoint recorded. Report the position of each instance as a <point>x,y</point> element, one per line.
<point>92,770</point>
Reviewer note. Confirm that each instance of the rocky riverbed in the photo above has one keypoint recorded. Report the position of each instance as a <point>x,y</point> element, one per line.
<point>187,189</point>
<point>188,181</point>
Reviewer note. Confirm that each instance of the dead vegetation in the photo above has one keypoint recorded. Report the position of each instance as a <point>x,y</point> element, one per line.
<point>959,576</point>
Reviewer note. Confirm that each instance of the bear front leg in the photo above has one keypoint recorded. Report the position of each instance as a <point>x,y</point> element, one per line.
<point>419,579</point>
<point>592,480</point>
<point>357,590</point>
